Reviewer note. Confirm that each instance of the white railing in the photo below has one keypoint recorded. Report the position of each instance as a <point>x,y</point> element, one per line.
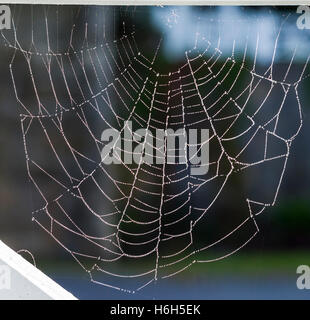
<point>20,280</point>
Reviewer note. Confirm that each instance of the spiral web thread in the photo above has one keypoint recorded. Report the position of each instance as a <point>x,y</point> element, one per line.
<point>143,212</point>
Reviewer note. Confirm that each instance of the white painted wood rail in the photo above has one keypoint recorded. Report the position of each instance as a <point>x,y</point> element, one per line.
<point>20,280</point>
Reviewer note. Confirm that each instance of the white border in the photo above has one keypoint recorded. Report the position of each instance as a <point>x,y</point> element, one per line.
<point>164,2</point>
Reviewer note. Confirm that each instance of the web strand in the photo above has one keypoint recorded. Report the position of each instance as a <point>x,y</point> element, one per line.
<point>146,212</point>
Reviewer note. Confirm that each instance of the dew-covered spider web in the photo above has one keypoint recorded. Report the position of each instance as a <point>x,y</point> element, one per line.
<point>77,71</point>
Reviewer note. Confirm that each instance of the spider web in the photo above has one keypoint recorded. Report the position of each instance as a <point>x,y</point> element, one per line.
<point>79,78</point>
